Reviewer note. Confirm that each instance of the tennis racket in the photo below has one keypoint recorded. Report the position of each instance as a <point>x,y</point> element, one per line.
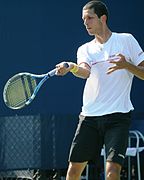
<point>21,89</point>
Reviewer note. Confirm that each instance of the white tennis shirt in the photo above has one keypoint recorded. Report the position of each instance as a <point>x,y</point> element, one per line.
<point>103,93</point>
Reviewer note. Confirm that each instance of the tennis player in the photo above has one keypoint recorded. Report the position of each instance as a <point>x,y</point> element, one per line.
<point>108,63</point>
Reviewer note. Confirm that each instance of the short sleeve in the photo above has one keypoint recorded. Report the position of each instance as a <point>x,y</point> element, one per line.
<point>136,52</point>
<point>82,55</point>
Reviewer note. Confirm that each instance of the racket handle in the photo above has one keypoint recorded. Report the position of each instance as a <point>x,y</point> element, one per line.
<point>66,65</point>
<point>52,72</point>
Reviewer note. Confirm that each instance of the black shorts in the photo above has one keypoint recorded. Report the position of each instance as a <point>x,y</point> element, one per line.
<point>93,132</point>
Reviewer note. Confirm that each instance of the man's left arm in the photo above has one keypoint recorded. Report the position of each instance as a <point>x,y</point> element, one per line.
<point>138,70</point>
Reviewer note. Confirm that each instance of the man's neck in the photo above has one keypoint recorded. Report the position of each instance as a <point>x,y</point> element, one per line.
<point>103,37</point>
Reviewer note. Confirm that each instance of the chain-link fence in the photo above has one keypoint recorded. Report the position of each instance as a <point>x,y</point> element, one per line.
<point>31,143</point>
<point>20,142</point>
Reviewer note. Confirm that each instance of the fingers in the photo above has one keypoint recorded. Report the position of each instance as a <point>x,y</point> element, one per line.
<point>119,63</point>
<point>63,68</point>
<point>61,65</point>
<point>112,69</point>
<point>117,59</point>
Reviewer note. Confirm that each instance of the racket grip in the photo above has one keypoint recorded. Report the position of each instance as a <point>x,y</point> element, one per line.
<point>66,65</point>
<point>53,72</point>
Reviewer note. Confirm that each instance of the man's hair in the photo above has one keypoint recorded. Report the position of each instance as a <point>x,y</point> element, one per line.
<point>99,8</point>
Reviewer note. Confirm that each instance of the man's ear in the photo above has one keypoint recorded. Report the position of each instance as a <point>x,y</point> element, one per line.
<point>103,18</point>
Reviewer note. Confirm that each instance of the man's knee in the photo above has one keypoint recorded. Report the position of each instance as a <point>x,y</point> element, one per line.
<point>113,175</point>
<point>75,170</point>
<point>113,171</point>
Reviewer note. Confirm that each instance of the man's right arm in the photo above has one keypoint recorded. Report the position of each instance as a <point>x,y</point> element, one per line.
<point>82,70</point>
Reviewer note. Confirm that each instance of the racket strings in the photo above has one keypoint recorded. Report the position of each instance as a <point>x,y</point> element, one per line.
<point>19,90</point>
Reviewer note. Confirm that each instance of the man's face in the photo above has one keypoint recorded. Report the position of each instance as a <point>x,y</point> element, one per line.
<point>91,21</point>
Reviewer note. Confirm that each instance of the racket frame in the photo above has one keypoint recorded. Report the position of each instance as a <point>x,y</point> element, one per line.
<point>31,98</point>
